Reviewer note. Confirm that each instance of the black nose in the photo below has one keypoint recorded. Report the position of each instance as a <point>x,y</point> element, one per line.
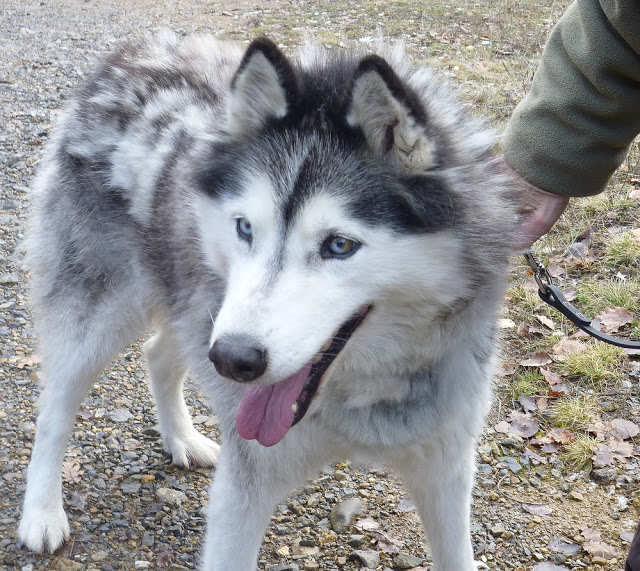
<point>238,357</point>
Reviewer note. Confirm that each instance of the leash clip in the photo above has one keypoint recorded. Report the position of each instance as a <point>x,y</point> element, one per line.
<point>539,272</point>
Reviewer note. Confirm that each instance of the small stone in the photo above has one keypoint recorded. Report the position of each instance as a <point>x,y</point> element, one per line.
<point>170,497</point>
<point>367,557</point>
<point>131,488</point>
<point>7,279</point>
<point>64,564</point>
<point>287,567</point>
<point>577,496</point>
<point>512,464</point>
<point>497,530</point>
<point>404,561</point>
<point>146,478</point>
<point>99,556</point>
<point>142,565</point>
<point>148,539</point>
<point>345,513</point>
<point>356,540</point>
<point>604,474</point>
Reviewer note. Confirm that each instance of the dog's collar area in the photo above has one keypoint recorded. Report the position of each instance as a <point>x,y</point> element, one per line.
<point>318,369</point>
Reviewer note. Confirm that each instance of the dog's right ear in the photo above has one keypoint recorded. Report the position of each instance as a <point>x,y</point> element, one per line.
<point>263,88</point>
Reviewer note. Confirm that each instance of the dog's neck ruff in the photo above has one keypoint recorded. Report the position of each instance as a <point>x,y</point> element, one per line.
<point>266,413</point>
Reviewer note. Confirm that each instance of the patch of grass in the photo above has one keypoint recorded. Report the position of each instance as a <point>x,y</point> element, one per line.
<point>597,367</point>
<point>575,412</point>
<point>578,453</point>
<point>527,382</point>
<point>596,295</point>
<point>622,250</point>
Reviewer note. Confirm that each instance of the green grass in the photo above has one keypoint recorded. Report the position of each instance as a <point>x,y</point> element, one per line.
<point>575,412</point>
<point>598,367</point>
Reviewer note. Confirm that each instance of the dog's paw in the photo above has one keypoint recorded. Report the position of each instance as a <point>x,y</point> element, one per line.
<point>193,450</point>
<point>43,530</point>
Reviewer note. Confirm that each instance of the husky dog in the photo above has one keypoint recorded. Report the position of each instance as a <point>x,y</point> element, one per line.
<point>340,219</point>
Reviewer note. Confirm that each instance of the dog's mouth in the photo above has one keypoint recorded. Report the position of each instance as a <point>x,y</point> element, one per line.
<point>266,413</point>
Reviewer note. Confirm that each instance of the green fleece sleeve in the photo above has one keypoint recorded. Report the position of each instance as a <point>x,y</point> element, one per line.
<point>575,126</point>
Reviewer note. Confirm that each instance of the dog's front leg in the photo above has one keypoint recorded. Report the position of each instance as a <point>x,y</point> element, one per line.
<point>248,483</point>
<point>439,477</point>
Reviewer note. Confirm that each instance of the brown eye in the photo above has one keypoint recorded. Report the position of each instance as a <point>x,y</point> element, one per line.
<point>338,247</point>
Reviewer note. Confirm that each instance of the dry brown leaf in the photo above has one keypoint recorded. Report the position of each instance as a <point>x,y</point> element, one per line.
<point>542,403</point>
<point>561,435</point>
<point>560,390</point>
<point>551,448</point>
<point>590,534</point>
<point>523,424</point>
<point>537,359</point>
<point>77,501</point>
<point>387,543</point>
<point>534,456</point>
<point>620,448</point>
<point>625,428</point>
<point>546,321</point>
<point>547,566</point>
<point>566,347</point>
<point>600,549</point>
<point>71,471</point>
<point>502,427</point>
<point>551,377</point>
<point>612,319</point>
<point>564,546</point>
<point>602,456</point>
<point>28,361</point>
<point>529,404</point>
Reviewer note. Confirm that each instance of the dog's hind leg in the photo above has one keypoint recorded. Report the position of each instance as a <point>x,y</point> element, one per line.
<point>185,444</point>
<point>439,479</point>
<point>74,349</point>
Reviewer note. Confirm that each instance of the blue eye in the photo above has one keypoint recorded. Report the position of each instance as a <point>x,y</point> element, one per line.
<point>244,230</point>
<point>338,247</point>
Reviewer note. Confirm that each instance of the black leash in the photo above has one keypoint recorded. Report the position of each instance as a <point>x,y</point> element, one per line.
<point>551,294</point>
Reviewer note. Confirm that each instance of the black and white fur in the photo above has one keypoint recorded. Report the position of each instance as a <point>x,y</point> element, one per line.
<point>190,180</point>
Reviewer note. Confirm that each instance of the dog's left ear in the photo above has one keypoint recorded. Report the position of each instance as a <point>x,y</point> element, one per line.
<point>263,88</point>
<point>390,115</point>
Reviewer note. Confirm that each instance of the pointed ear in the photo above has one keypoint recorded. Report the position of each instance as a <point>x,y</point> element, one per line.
<point>263,88</point>
<point>390,115</point>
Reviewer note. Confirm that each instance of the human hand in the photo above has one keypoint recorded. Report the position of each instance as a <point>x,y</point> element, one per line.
<point>539,210</point>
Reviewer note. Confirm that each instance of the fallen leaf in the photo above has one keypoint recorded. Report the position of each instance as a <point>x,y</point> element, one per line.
<point>542,403</point>
<point>546,322</point>
<point>77,501</point>
<point>561,435</point>
<point>600,549</point>
<point>502,427</point>
<point>564,546</point>
<point>612,319</point>
<point>590,534</point>
<point>537,509</point>
<point>508,368</point>
<point>602,456</point>
<point>566,347</point>
<point>523,424</point>
<point>559,390</point>
<point>551,377</point>
<point>386,542</point>
<point>506,323</point>
<point>71,472</point>
<point>28,361</point>
<point>620,448</point>
<point>164,556</point>
<point>551,448</point>
<point>538,359</point>
<point>625,428</point>
<point>534,456</point>
<point>529,404</point>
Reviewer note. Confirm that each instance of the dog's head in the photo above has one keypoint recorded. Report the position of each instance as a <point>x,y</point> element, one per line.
<point>327,206</point>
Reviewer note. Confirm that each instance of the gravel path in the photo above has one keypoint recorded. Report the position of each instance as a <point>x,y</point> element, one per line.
<point>130,509</point>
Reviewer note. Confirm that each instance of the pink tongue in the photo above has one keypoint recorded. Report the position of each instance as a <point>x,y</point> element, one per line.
<point>265,411</point>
